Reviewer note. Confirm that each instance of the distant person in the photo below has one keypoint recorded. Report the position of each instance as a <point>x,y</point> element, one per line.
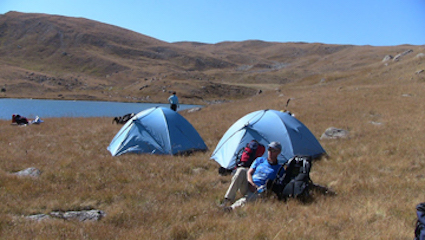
<point>174,101</point>
<point>252,182</point>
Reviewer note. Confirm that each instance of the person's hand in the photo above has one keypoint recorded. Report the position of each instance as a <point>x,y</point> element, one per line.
<point>252,187</point>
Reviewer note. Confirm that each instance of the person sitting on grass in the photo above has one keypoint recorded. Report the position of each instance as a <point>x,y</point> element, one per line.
<point>252,182</point>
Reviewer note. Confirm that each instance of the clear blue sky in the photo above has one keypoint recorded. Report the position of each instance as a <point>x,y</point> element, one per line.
<point>357,22</point>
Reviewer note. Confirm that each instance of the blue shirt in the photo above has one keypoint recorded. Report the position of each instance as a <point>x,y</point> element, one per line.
<point>173,99</point>
<point>263,171</point>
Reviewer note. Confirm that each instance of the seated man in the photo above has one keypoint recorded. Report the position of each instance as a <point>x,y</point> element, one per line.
<point>251,182</point>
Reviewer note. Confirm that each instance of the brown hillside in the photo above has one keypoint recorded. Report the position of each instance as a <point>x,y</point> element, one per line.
<point>49,56</point>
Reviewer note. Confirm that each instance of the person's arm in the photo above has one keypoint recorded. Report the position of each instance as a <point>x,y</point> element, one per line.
<point>251,185</point>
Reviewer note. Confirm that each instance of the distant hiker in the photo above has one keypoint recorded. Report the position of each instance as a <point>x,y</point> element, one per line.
<point>252,182</point>
<point>174,101</point>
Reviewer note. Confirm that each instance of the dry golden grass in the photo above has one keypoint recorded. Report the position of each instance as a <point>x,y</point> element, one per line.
<point>377,173</point>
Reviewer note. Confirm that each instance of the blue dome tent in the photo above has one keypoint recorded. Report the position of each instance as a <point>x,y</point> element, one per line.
<point>267,126</point>
<point>156,130</point>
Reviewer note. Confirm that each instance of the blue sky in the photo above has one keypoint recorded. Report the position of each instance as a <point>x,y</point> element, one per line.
<point>360,22</point>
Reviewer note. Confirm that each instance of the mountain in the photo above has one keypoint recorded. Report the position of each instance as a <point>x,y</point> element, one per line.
<point>50,56</point>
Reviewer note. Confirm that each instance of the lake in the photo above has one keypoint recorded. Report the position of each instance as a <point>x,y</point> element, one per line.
<point>30,108</point>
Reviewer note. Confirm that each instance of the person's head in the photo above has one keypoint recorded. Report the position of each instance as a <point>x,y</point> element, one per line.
<point>174,93</point>
<point>274,149</point>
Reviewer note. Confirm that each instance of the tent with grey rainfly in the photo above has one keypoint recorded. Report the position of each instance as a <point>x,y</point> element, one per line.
<point>267,126</point>
<point>157,130</point>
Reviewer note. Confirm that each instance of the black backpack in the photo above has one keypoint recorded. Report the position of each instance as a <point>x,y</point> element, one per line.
<point>295,182</point>
<point>21,120</point>
<point>420,223</point>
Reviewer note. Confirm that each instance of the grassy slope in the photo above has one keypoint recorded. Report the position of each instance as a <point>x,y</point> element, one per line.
<point>377,172</point>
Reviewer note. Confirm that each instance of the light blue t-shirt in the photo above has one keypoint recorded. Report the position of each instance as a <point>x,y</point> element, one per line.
<point>173,99</point>
<point>263,171</point>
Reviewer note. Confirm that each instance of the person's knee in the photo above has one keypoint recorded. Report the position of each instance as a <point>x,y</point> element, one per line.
<point>240,172</point>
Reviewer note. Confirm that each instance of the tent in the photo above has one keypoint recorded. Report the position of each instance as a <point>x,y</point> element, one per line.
<point>267,126</point>
<point>156,130</point>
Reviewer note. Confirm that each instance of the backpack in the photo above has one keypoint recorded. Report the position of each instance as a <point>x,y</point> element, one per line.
<point>124,119</point>
<point>224,171</point>
<point>295,182</point>
<point>247,155</point>
<point>19,119</point>
<point>420,223</point>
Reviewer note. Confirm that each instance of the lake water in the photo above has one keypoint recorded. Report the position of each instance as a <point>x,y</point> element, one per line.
<point>30,108</point>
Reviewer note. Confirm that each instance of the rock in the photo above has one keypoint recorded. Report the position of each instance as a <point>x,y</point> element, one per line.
<point>194,109</point>
<point>398,56</point>
<point>334,133</point>
<point>143,87</point>
<point>387,58</point>
<point>38,217</point>
<point>85,215</point>
<point>32,172</point>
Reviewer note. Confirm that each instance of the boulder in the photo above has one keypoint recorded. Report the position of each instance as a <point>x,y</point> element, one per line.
<point>85,215</point>
<point>194,109</point>
<point>38,217</point>
<point>398,56</point>
<point>387,58</point>
<point>32,172</point>
<point>334,133</point>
